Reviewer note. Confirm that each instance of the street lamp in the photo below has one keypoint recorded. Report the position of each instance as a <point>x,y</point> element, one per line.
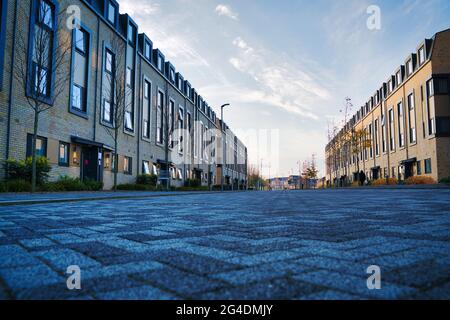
<point>223,145</point>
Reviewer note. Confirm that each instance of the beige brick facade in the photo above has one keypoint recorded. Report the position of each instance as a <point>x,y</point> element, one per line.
<point>412,108</point>
<point>86,134</point>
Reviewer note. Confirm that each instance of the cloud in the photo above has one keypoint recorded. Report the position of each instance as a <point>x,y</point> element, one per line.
<point>165,32</point>
<point>223,10</point>
<point>280,83</point>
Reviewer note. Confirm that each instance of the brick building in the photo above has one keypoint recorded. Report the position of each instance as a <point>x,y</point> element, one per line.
<point>403,130</point>
<point>73,133</point>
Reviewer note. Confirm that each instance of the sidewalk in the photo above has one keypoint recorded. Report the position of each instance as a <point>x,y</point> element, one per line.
<point>10,199</point>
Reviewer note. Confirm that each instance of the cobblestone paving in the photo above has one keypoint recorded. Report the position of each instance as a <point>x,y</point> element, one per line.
<point>275,245</point>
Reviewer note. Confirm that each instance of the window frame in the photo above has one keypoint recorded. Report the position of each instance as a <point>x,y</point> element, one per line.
<point>105,73</point>
<point>83,111</point>
<point>30,142</point>
<point>146,82</point>
<point>34,20</point>
<point>107,12</point>
<point>129,170</point>
<point>67,149</point>
<point>428,168</point>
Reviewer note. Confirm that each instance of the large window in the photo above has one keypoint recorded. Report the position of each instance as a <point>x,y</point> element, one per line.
<point>146,167</point>
<point>180,129</point>
<point>377,146</point>
<point>146,109</point>
<point>160,117</point>
<point>108,86</point>
<point>80,69</point>
<point>129,108</point>
<point>401,125</point>
<point>383,131</point>
<point>430,108</point>
<point>171,121</point>
<point>412,119</point>
<point>421,55</point>
<point>42,34</point>
<point>41,146</point>
<point>391,130</point>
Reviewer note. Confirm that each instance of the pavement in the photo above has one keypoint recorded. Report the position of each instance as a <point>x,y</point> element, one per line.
<point>305,245</point>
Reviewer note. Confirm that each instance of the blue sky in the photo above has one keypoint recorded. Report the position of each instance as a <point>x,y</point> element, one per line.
<point>286,65</point>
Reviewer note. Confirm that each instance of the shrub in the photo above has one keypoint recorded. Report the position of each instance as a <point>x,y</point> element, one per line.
<point>132,187</point>
<point>22,170</point>
<point>147,179</point>
<point>420,180</point>
<point>92,185</point>
<point>192,183</point>
<point>3,187</point>
<point>18,185</point>
<point>192,189</point>
<point>384,182</point>
<point>445,180</point>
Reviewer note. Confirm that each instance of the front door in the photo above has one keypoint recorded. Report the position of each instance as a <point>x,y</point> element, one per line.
<point>375,174</point>
<point>90,164</point>
<point>408,170</point>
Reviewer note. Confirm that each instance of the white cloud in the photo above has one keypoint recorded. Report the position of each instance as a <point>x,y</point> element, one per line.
<point>281,84</point>
<point>223,10</point>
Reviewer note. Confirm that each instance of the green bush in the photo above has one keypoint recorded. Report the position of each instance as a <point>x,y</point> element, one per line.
<point>18,185</point>
<point>3,187</point>
<point>22,170</point>
<point>193,183</point>
<point>147,179</point>
<point>66,183</point>
<point>92,185</point>
<point>445,180</point>
<point>192,189</point>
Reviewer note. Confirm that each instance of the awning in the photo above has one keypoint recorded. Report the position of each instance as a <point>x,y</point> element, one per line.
<point>164,162</point>
<point>90,143</point>
<point>409,161</point>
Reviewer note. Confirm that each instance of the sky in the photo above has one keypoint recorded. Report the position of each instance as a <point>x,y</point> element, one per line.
<point>286,67</point>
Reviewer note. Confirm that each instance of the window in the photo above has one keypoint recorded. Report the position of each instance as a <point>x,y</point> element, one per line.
<point>171,121</point>
<point>427,163</point>
<point>146,110</point>
<point>180,128</point>
<point>391,130</point>
<point>107,160</point>
<point>401,125</point>
<point>107,111</point>
<point>108,90</point>
<point>412,119</point>
<point>129,77</point>
<point>421,55</point>
<point>46,14</point>
<point>430,87</point>
<point>112,13</point>
<point>127,165</point>
<point>419,167</point>
<point>41,146</point>
<point>371,139</point>
<point>80,40</point>
<point>377,147</point>
<point>409,67</point>
<point>77,97</point>
<point>80,70</point>
<point>63,154</point>
<point>188,91</point>
<point>159,117</point>
<point>148,50</point>
<point>172,76</point>
<point>146,167</point>
<point>398,77</point>
<point>131,34</point>
<point>109,61</point>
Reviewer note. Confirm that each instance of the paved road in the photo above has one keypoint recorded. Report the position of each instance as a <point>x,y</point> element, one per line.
<point>276,245</point>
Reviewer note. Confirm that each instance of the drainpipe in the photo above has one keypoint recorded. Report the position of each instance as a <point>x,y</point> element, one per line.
<point>96,80</point>
<point>11,80</point>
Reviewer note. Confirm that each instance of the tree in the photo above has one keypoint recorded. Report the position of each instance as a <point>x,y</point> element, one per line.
<point>255,180</point>
<point>116,89</point>
<point>359,141</point>
<point>42,75</point>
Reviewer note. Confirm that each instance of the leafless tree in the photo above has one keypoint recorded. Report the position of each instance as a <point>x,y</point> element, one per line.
<point>42,75</point>
<point>115,87</point>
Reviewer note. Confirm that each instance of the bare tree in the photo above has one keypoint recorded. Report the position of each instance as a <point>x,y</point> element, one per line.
<point>360,140</point>
<point>118,98</point>
<point>42,75</point>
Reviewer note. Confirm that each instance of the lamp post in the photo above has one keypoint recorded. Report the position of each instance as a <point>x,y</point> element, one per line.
<point>223,145</point>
